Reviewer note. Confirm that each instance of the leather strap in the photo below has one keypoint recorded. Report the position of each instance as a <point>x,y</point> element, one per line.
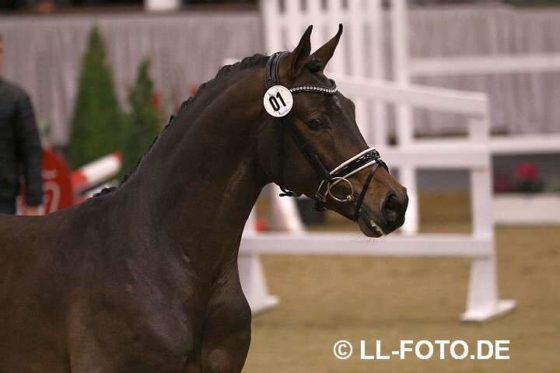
<point>365,188</point>
<point>271,70</point>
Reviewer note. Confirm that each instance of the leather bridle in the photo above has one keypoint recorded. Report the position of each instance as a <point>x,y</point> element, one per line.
<point>341,173</point>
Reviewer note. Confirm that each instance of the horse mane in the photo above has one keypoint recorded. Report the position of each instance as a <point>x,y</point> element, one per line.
<point>257,60</point>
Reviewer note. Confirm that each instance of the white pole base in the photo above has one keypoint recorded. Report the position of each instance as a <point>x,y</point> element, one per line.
<point>253,282</point>
<point>487,313</point>
<point>263,304</point>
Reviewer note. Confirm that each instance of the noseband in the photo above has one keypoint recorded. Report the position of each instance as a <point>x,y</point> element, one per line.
<point>341,173</point>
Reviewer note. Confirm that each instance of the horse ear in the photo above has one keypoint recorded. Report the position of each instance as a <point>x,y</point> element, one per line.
<point>326,52</point>
<point>300,55</point>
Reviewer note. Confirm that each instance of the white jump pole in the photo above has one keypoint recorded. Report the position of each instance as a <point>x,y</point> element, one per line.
<point>405,126</point>
<point>380,138</point>
<point>96,172</point>
<point>483,300</point>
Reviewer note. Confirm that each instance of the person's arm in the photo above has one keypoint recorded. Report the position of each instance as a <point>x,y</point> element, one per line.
<point>29,146</point>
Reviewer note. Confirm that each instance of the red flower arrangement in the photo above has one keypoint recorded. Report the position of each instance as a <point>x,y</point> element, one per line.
<point>527,178</point>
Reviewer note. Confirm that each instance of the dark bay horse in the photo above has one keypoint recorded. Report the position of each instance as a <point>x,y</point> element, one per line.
<point>144,278</point>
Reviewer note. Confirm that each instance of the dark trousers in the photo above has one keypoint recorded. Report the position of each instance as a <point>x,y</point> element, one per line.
<point>8,207</point>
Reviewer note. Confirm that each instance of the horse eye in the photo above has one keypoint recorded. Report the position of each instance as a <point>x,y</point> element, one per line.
<point>315,124</point>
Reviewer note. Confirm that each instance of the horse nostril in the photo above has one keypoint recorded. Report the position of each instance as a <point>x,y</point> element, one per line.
<point>392,208</point>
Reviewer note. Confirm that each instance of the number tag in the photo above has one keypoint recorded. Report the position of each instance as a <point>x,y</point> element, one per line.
<point>278,101</point>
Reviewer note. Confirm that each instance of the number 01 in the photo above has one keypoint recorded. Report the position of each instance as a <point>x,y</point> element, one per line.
<point>274,102</point>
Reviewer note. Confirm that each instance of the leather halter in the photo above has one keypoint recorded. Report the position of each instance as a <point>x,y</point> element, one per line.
<point>341,173</point>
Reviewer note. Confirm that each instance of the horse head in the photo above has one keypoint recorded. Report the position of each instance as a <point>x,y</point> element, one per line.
<point>311,143</point>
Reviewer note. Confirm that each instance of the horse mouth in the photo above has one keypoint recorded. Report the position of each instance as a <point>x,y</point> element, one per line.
<point>370,228</point>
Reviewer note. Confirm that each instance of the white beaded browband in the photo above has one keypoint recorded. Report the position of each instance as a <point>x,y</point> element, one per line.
<point>310,88</point>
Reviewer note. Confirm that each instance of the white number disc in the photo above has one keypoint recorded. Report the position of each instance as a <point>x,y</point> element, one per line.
<point>278,101</point>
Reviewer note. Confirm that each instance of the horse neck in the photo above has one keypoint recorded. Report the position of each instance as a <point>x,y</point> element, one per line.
<point>200,181</point>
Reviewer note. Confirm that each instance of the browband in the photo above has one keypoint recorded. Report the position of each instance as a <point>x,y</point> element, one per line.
<point>272,78</point>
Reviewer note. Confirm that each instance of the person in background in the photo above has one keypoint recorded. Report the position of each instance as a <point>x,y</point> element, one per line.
<point>20,149</point>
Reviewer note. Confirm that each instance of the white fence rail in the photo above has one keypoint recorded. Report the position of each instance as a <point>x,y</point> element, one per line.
<point>478,65</point>
<point>473,104</point>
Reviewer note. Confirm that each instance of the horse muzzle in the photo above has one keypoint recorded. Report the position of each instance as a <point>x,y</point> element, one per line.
<point>389,216</point>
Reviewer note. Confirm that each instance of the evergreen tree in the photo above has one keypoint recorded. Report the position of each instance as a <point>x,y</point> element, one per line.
<point>143,122</point>
<point>98,120</point>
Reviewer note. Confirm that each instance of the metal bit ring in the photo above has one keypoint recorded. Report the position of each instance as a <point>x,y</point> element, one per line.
<point>334,182</point>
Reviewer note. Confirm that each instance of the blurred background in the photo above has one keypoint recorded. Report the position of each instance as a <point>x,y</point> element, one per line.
<point>104,76</point>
